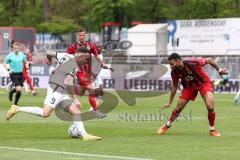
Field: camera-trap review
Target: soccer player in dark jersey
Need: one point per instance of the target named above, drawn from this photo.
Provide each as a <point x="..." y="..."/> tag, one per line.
<point x="84" y="72"/>
<point x="193" y="80"/>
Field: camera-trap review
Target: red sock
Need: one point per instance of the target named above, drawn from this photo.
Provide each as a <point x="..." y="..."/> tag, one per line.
<point x="29" y="82"/>
<point x="92" y="101"/>
<point x="211" y="118"/>
<point x="173" y="116"/>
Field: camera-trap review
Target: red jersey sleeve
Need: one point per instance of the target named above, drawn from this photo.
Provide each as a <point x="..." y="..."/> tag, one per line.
<point x="93" y="49"/>
<point x="175" y="78"/>
<point x="195" y="62"/>
<point x="202" y="61"/>
<point x="71" y="49"/>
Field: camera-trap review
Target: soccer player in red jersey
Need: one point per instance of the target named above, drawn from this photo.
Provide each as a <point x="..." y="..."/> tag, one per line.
<point x="84" y="72"/>
<point x="25" y="72"/>
<point x="193" y="79"/>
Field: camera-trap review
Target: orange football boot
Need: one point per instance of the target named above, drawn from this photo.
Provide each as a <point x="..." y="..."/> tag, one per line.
<point x="214" y="133"/>
<point x="162" y="129"/>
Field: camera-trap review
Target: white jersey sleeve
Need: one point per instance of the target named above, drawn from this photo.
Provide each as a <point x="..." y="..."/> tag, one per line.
<point x="66" y="65"/>
<point x="63" y="57"/>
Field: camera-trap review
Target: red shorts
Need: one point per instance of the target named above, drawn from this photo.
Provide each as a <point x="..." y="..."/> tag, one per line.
<point x="84" y="79"/>
<point x="191" y="93"/>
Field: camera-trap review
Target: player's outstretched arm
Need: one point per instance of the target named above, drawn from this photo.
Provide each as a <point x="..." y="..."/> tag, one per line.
<point x="172" y="95"/>
<point x="221" y="71"/>
<point x="103" y="65"/>
<point x="51" y="54"/>
<point x="212" y="63"/>
<point x="100" y="61"/>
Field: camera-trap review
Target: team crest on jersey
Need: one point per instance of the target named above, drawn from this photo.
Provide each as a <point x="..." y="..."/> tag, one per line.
<point x="189" y="72"/>
<point x="189" y="78"/>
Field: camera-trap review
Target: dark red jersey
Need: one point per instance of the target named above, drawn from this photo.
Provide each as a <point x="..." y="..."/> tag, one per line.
<point x="91" y="50"/>
<point x="192" y="74"/>
<point x="29" y="59"/>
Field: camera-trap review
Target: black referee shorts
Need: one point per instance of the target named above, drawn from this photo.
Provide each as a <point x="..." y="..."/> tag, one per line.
<point x="17" y="79"/>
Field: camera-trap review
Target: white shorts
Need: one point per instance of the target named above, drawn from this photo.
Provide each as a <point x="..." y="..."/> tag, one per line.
<point x="97" y="82"/>
<point x="53" y="98"/>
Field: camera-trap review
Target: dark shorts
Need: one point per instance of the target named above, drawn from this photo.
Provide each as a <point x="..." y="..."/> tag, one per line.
<point x="225" y="81"/>
<point x="17" y="79"/>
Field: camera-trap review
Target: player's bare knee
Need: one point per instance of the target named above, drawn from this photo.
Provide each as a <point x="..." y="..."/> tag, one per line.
<point x="178" y="111"/>
<point x="179" y="108"/>
<point x="74" y="110"/>
<point x="210" y="109"/>
<point x="210" y="106"/>
<point x="18" y="89"/>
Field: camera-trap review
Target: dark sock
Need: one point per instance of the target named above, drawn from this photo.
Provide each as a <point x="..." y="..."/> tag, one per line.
<point x="17" y="97"/>
<point x="173" y="116"/>
<point x="10" y="95"/>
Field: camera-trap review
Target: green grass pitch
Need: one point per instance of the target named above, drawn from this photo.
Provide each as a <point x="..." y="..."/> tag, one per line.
<point x="126" y="132"/>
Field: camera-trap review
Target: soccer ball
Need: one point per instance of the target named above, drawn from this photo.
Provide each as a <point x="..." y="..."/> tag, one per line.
<point x="73" y="131"/>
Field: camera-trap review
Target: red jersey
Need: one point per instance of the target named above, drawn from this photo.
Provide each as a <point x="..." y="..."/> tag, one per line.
<point x="29" y="59"/>
<point x="91" y="50"/>
<point x="192" y="74"/>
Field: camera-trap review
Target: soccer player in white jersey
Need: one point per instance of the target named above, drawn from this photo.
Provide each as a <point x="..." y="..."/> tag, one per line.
<point x="56" y="92"/>
<point x="236" y="97"/>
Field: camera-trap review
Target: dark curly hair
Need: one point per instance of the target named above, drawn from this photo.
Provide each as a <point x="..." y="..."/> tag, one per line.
<point x="174" y="56"/>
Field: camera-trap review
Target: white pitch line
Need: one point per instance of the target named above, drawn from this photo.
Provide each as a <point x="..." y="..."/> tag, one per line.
<point x="71" y="158"/>
<point x="71" y="153"/>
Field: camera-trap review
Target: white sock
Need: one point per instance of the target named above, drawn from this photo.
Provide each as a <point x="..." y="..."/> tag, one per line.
<point x="211" y="128"/>
<point x="77" y="121"/>
<point x="26" y="86"/>
<point x="31" y="110"/>
<point x="168" y="123"/>
<point x="80" y="127"/>
<point x="238" y="94"/>
<point x="90" y="109"/>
